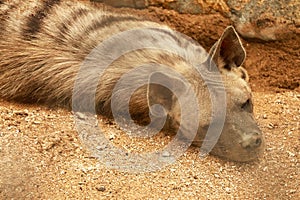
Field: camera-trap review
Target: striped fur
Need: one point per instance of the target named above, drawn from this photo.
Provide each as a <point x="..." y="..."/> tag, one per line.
<point x="48" y="39"/>
<point x="44" y="42"/>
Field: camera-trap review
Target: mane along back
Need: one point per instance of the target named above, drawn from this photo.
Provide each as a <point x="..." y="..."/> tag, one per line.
<point x="43" y="44"/>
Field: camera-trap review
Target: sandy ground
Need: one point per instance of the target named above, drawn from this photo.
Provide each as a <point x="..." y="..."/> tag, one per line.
<point x="42" y="156"/>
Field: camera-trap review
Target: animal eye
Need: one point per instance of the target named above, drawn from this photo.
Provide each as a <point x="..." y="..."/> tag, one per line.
<point x="247" y="106"/>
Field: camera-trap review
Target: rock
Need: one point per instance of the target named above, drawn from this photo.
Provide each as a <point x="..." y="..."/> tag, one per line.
<point x="182" y="6"/>
<point x="166" y="154"/>
<point x="192" y="6"/>
<point x="100" y="188"/>
<point x="125" y="3"/>
<point x="266" y="19"/>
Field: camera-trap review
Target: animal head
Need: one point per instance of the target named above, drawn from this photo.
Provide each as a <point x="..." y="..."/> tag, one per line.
<point x="241" y="138"/>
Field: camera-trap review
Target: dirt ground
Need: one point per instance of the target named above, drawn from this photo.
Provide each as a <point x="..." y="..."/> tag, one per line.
<point x="42" y="156"/>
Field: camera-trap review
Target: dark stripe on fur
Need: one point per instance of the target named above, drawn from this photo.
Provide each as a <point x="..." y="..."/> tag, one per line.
<point x="4" y="16"/>
<point x="107" y="21"/>
<point x="4" y="13"/>
<point x="35" y="20"/>
<point x="65" y="25"/>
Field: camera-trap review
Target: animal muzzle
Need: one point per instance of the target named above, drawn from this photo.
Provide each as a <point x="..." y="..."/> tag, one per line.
<point x="252" y="141"/>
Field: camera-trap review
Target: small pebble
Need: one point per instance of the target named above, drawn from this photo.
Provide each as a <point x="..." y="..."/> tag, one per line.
<point x="80" y="115"/>
<point x="165" y="154"/>
<point x="216" y="175"/>
<point x="100" y="188"/>
<point x="228" y="190"/>
<point x="101" y="147"/>
<point x="265" y="116"/>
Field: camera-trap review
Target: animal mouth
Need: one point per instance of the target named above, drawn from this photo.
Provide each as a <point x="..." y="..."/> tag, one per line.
<point x="240" y="152"/>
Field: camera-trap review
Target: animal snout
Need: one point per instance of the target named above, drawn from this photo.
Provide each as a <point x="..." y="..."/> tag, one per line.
<point x="252" y="141"/>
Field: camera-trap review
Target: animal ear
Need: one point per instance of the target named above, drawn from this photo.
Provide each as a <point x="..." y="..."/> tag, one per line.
<point x="161" y="91"/>
<point x="228" y="52"/>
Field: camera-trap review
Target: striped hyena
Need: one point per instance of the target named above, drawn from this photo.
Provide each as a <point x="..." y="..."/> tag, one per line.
<point x="44" y="42"/>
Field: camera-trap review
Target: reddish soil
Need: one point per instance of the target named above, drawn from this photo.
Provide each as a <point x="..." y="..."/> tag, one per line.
<point x="274" y="65"/>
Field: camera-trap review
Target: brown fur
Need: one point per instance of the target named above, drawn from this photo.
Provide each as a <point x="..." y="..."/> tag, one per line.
<point x="43" y="44"/>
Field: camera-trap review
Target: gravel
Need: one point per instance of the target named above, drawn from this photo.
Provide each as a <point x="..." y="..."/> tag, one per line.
<point x="42" y="158"/>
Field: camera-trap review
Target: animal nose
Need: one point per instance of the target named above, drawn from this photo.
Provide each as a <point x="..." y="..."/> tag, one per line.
<point x="252" y="141"/>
